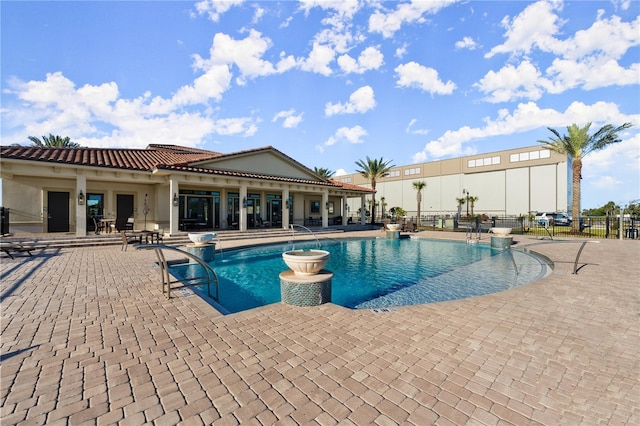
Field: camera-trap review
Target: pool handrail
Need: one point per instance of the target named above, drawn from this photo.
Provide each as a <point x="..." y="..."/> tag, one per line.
<point x="209" y="277"/>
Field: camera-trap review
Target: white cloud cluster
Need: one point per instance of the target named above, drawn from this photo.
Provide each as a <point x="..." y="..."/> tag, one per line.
<point x="105" y="119"/>
<point x="466" y="43"/>
<point x="370" y="59"/>
<point x="352" y="135"/>
<point x="289" y="118"/>
<point x="525" y="117"/>
<point x="387" y="23"/>
<point x="214" y="8"/>
<point x="427" y="79"/>
<point x="360" y="101"/>
<point x="410" y="129"/>
<point x="588" y="59"/>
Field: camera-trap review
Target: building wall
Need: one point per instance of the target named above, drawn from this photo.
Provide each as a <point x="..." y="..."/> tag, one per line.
<point x="511" y="182"/>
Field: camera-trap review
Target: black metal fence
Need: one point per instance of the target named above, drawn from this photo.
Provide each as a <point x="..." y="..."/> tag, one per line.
<point x="589" y="227"/>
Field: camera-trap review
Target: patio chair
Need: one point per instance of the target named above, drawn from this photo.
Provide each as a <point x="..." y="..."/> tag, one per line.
<point x="128" y="239"/>
<point x="10" y="247"/>
<point x="99" y="225"/>
<point x="409" y="226"/>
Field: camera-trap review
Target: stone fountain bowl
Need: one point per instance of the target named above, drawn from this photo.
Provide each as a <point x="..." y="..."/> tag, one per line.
<point x="306" y="262"/>
<point x="394" y="226"/>
<point x="201" y="238"/>
<point x="501" y="232"/>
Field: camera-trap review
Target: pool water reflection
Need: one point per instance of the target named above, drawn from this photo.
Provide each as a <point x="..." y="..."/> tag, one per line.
<point x="377" y="272"/>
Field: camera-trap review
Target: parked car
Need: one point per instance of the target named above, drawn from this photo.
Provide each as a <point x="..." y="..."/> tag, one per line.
<point x="561" y="219"/>
<point x="555" y="219"/>
<point x="544" y="219"/>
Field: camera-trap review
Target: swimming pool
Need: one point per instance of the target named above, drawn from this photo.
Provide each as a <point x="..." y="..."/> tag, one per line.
<point x="375" y="272"/>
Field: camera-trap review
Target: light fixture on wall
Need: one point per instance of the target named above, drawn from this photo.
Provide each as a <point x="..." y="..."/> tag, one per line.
<point x="326" y="205"/>
<point x="244" y="203"/>
<point x="346" y="206"/>
<point x="289" y="204"/>
<point x="176" y="200"/>
<point x="81" y="198"/>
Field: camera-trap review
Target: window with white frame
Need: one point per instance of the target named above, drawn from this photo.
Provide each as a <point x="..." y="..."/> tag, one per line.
<point x="531" y="155"/>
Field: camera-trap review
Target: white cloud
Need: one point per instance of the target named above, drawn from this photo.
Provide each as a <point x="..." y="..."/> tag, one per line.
<point x="511" y="83"/>
<point x="413" y="74"/>
<point x="624" y="155"/>
<point x="211" y="85"/>
<point x="290" y="119"/>
<point x="588" y="59"/>
<point x="609" y="38"/>
<point x="360" y="101"/>
<point x="524" y="118"/>
<point x="319" y="59"/>
<point x="236" y="126"/>
<point x="104" y="119"/>
<point x="388" y="23"/>
<point x="401" y="51"/>
<point x="246" y="54"/>
<point x="466" y="43"/>
<point x="258" y="14"/>
<point x="343" y="8"/>
<point x="352" y="135"/>
<point x="413" y="131"/>
<point x="370" y="59"/>
<point x="606" y="182"/>
<point x="535" y="26"/>
<point x="214" y="8"/>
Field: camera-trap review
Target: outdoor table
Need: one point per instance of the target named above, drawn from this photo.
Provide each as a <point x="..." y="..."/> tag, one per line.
<point x="150" y="236"/>
<point x="107" y="224"/>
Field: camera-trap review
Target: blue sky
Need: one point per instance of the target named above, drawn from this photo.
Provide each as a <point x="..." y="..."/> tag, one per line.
<point x="328" y="83"/>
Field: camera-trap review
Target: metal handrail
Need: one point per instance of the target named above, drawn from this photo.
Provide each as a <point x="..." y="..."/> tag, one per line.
<point x="209" y="277"/>
<point x="577" y="259"/>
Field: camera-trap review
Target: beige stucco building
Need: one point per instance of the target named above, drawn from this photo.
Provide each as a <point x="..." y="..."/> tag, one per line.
<point x="510" y="182"/>
<point x="166" y="187"/>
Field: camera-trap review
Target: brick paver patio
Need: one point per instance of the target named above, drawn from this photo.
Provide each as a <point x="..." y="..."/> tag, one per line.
<point x="88" y="337"/>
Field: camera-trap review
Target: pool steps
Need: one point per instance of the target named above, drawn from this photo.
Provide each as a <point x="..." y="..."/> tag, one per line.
<point x="45" y="241"/>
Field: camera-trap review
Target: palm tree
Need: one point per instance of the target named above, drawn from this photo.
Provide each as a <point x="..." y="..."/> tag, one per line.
<point x="323" y="173"/>
<point x="373" y="170"/>
<point x="472" y="202"/>
<point x="576" y="145"/>
<point x="54" y="140"/>
<point x="460" y="202"/>
<point x="419" y="186"/>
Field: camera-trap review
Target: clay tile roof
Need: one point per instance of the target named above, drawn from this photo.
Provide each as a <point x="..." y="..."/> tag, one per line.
<point x="129" y="159"/>
<point x="154" y="157"/>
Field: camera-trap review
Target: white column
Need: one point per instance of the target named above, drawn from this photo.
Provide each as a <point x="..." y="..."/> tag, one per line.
<point x="363" y="210"/>
<point x="174" y="211"/>
<point x="325" y="210"/>
<point x="223" y="209"/>
<point x="242" y="220"/>
<point x="285" y="208"/>
<point x="345" y="212"/>
<point x="81" y="209"/>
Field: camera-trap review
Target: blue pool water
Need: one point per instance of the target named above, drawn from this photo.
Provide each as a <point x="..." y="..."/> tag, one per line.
<point x="376" y="273"/>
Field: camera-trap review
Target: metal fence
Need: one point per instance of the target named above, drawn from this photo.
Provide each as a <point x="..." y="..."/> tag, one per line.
<point x="590" y="227"/>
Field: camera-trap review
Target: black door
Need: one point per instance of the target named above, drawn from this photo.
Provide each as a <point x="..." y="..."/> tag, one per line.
<point x="58" y="211"/>
<point x="124" y="207"/>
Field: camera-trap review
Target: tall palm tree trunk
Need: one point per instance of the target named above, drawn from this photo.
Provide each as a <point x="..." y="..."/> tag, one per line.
<point x="575" y="199"/>
<point x="373" y="205"/>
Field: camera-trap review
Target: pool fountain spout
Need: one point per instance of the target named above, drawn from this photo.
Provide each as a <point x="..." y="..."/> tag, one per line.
<point x="502" y="238"/>
<point x="293" y="232"/>
<point x="306" y="283"/>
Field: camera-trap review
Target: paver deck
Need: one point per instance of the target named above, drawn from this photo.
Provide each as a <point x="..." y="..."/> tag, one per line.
<point x="88" y="337"/>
